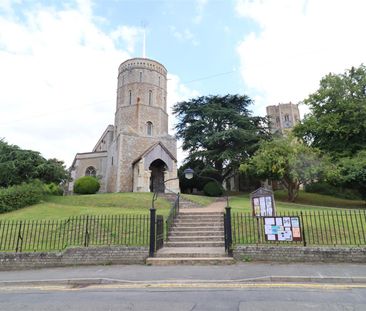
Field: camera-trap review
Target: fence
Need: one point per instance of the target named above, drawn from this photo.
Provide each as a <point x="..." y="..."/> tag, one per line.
<point x="48" y="235"/>
<point x="346" y="228"/>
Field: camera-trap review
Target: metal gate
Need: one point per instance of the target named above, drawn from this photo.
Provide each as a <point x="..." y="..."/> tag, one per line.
<point x="159" y="232"/>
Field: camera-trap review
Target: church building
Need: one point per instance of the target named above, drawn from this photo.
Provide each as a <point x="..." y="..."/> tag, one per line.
<point x="136" y="153"/>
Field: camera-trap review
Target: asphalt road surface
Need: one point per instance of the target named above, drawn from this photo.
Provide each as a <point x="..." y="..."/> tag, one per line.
<point x="269" y="297"/>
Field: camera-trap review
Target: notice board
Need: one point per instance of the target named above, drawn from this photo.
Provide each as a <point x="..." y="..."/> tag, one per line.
<point x="282" y="228"/>
<point x="262" y="203"/>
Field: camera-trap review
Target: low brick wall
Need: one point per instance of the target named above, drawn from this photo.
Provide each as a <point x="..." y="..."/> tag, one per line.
<point x="299" y="254"/>
<point x="74" y="256"/>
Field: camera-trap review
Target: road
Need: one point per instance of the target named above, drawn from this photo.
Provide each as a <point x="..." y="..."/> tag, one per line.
<point x="263" y="297"/>
<point x="245" y="286"/>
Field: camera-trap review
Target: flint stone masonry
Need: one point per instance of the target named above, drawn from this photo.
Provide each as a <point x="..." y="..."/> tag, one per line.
<point x="300" y="254"/>
<point x="74" y="256"/>
<point x="141" y="122"/>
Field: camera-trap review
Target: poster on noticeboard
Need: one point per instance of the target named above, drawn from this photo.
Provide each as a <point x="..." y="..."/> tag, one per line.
<point x="282" y="228"/>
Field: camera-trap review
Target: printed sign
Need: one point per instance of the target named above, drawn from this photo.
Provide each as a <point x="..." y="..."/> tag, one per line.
<point x="285" y="228"/>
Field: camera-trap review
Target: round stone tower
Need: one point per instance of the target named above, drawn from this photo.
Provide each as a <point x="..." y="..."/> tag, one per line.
<point x="141" y="98"/>
<point x="145" y="154"/>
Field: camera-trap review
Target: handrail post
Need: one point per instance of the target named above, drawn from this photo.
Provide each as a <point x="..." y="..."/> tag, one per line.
<point x="152" y="232"/>
<point x="228" y="233"/>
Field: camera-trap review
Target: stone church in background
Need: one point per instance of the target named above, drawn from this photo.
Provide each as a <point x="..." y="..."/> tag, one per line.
<point x="136" y="153"/>
<point x="283" y="117"/>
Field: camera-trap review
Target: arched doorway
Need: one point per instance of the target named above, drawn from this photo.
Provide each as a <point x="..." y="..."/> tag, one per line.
<point x="157" y="169"/>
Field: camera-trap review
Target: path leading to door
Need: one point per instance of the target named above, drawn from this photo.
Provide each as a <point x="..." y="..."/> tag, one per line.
<point x="215" y="207"/>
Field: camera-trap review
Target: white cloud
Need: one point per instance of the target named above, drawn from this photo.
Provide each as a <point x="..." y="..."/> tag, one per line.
<point x="58" y="81"/>
<point x="298" y="43"/>
<point x="185" y="35"/>
<point x="130" y="35"/>
<point x="200" y="6"/>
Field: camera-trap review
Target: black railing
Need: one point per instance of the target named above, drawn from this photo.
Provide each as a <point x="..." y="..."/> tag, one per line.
<point x="228" y="231"/>
<point x="173" y="213"/>
<point x="344" y="228"/>
<point x="53" y="235"/>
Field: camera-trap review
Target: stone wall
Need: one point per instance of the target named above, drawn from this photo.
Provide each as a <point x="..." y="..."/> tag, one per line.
<point x="74" y="256"/>
<point x="300" y="254"/>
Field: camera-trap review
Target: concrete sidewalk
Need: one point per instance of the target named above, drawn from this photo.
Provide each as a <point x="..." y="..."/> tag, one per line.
<point x="242" y="273"/>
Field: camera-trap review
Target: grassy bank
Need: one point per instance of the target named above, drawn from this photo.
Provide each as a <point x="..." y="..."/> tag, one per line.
<point x="58" y="207"/>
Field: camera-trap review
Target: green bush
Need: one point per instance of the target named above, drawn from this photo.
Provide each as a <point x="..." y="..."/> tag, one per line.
<point x="328" y="189"/>
<point x="213" y="189"/>
<point x="53" y="189"/>
<point x="16" y="197"/>
<point x="86" y="185"/>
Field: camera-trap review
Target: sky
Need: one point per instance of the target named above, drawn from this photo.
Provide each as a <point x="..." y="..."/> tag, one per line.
<point x="59" y="59"/>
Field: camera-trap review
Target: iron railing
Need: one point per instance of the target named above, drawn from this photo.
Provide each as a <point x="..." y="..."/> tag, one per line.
<point x="53" y="235"/>
<point x="173" y="213"/>
<point x="343" y="228"/>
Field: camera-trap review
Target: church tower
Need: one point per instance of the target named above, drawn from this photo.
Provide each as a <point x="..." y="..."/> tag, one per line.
<point x="137" y="153"/>
<point x="144" y="151"/>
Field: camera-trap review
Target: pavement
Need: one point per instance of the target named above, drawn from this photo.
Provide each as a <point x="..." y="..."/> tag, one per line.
<point x="189" y="276"/>
<point x="214" y="207"/>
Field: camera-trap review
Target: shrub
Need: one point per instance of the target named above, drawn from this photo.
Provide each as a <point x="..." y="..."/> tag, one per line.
<point x="54" y="189"/>
<point x="86" y="185"/>
<point x="328" y="189"/>
<point x="16" y="197"/>
<point x="213" y="189"/>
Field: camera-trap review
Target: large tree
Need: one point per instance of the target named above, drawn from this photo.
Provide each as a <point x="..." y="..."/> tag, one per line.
<point x="336" y="123"/>
<point x="19" y="165"/>
<point x="350" y="172"/>
<point x="219" y="131"/>
<point x="287" y="160"/>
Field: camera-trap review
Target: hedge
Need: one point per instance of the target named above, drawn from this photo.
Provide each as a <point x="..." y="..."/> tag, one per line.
<point x="16" y="197"/>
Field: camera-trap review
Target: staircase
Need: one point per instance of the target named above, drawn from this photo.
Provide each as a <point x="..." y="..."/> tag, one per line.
<point x="197" y="237"/>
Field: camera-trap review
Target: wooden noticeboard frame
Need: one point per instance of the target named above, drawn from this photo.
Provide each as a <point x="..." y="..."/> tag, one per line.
<point x="263" y="203"/>
<point x="282" y="228"/>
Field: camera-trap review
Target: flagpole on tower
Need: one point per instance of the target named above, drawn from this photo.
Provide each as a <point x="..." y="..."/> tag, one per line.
<point x="144" y="40"/>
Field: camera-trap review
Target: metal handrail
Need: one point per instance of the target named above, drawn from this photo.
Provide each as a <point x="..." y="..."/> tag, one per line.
<point x="173" y="213"/>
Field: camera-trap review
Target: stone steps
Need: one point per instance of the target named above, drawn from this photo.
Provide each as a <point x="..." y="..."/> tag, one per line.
<point x="196" y="238"/>
<point x="194" y="244"/>
<point x="191" y="252"/>
<point x="189" y="261"/>
<point x="193" y="232"/>
<point x="196" y="228"/>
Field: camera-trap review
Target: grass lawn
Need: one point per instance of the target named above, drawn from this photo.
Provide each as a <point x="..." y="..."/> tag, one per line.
<point x="58" y="207"/>
<point x="305" y="202"/>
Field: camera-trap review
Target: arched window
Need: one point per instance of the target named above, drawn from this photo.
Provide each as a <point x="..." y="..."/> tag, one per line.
<point x="130" y="97"/>
<point x="149" y="128"/>
<point x="150" y="97"/>
<point x="287" y="117"/>
<point x="90" y="171"/>
<point x="140" y="76"/>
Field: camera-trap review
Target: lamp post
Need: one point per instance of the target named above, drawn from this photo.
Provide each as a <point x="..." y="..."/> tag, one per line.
<point x="188" y="173"/>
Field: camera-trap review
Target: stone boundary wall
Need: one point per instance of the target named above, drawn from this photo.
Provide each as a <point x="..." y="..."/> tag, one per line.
<point x="299" y="254"/>
<point x="74" y="256"/>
